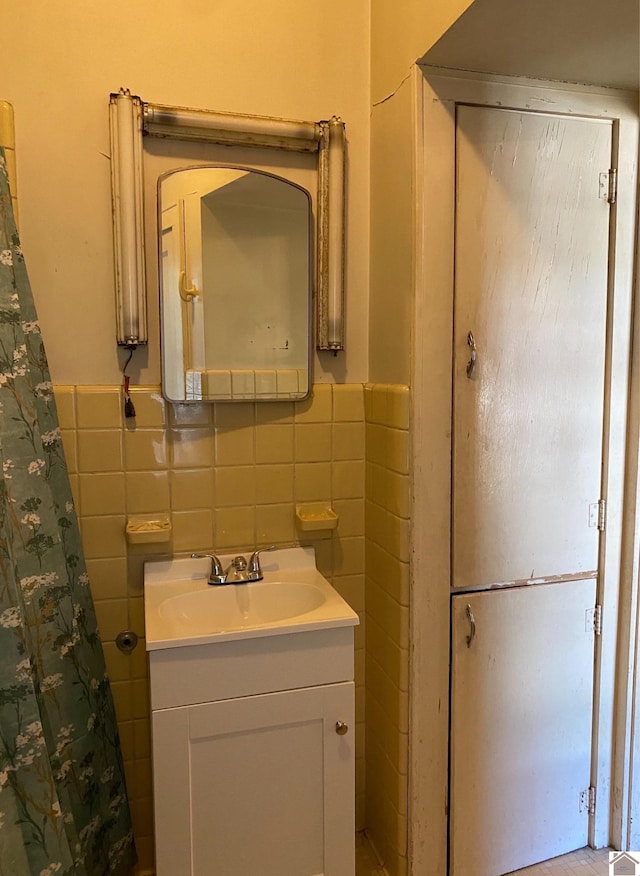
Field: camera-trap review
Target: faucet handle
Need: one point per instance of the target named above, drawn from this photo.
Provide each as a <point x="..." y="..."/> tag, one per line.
<point x="255" y="570"/>
<point x="217" y="574"/>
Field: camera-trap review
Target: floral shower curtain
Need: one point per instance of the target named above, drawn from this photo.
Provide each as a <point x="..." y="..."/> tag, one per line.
<point x="63" y="803"/>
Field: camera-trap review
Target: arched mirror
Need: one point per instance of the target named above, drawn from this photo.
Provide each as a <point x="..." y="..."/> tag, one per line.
<point x="235" y="285"/>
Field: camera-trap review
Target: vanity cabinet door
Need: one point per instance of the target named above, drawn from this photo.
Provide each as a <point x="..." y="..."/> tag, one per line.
<point x="257" y="785"/>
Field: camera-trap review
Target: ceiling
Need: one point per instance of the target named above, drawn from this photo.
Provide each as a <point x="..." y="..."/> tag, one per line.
<point x="587" y="41"/>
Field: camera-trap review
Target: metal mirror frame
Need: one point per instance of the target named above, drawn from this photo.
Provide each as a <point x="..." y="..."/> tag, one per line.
<point x="131" y="119"/>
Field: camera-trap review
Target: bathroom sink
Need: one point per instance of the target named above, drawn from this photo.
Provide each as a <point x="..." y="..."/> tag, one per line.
<point x="182" y="608"/>
<point x="237" y="605"/>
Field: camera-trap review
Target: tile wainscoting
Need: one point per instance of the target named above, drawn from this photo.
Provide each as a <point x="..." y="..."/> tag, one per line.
<point x="229" y="476"/>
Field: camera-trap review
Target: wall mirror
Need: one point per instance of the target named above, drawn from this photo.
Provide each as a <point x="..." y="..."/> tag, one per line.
<point x="243" y="250"/>
<point x="235" y="287"/>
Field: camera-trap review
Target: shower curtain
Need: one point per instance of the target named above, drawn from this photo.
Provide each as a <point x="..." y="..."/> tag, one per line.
<point x="63" y="803"/>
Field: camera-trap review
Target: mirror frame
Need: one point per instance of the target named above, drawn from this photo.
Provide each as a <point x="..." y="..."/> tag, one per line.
<point x="131" y="119"/>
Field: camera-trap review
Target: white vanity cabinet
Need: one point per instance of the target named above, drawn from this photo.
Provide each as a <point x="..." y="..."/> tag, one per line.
<point x="254" y="752"/>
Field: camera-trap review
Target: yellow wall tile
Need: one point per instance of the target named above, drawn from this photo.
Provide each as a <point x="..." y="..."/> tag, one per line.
<point x="348" y="556"/>
<point x="136" y="623"/>
<point x="140" y="695"/>
<point x="75" y="490"/>
<point x="99" y="407"/>
<point x="368" y="402"/>
<point x="120" y="688"/>
<point x="274" y="412"/>
<point x="191" y="448"/>
<point x="108" y="577"/>
<point x="274" y="484"/>
<point x="147" y="491"/>
<point x="141" y="738"/>
<point x="347" y="479"/>
<point x="146" y="856"/>
<point x="145" y="449"/>
<point x="69" y="444"/>
<point x="191" y="488"/>
<point x="235" y="527"/>
<point x="274" y="443"/>
<point x="348" y="441"/>
<point x="104" y="536"/>
<point x="190" y="414"/>
<point x="235" y="485"/>
<point x="376" y="449"/>
<point x="237" y="446"/>
<point x="397" y="539"/>
<point x="398" y="407"/>
<point x="396" y="442"/>
<point x="324" y="555"/>
<point x="150" y="407"/>
<point x="351" y="588"/>
<point x="102" y="493"/>
<point x="388" y="613"/>
<point x="125" y="730"/>
<point x="348" y="402"/>
<point x="379" y="401"/>
<point x="112" y="615"/>
<point x="275" y="524"/>
<point x="312" y="442"/>
<point x="350" y="516"/>
<point x="397" y="497"/>
<point x="393" y="658"/>
<point x="317" y="408"/>
<point x="118" y="668"/>
<point x="135" y="568"/>
<point x="192" y="530"/>
<point x="312" y="481"/>
<point x="65" y="406"/>
<point x="235" y="416"/>
<point x="100" y="450"/>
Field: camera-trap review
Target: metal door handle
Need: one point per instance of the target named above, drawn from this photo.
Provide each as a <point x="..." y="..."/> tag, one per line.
<point x="341" y="728"/>
<point x="472" y="625"/>
<point x="471" y="364"/>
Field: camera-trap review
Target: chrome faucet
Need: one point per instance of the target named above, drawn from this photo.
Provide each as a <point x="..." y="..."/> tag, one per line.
<point x="238" y="568"/>
<point x="217" y="575"/>
<point x="255" y="569"/>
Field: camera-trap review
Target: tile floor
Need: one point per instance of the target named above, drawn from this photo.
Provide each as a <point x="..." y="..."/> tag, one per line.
<point x="366" y="862"/>
<point x="584" y="862"/>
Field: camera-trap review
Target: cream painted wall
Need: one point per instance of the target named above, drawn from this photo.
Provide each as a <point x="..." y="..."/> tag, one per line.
<point x="401" y="33"/>
<point x="60" y="61"/>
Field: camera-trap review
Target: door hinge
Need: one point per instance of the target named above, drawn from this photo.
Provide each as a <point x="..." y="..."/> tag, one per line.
<point x="602" y="514"/>
<point x="597" y="620"/>
<point x="593" y="620"/>
<point x="609" y="185"/>
<point x="588" y="801"/>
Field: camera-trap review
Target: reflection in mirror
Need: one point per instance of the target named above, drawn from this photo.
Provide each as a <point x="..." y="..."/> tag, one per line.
<point x="234" y="285"/>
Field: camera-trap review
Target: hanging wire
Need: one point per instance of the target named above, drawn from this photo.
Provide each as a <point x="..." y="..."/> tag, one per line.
<point x="129" y="410"/>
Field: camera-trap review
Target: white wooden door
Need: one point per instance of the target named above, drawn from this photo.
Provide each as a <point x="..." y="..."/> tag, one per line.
<point x="256" y="785"/>
<point x="530" y="308"/>
<point x="522" y="698"/>
<point x="531" y="263"/>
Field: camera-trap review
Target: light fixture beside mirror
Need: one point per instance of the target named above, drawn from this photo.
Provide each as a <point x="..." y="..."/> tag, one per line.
<point x="254" y="226"/>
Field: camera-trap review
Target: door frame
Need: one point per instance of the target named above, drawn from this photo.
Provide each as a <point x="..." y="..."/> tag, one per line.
<point x="436" y="93"/>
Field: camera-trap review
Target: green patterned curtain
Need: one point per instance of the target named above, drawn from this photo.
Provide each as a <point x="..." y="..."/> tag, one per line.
<point x="63" y="801"/>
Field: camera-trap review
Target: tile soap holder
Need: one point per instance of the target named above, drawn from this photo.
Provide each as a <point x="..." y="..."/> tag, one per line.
<point x="148" y="529"/>
<point x="315" y="516"/>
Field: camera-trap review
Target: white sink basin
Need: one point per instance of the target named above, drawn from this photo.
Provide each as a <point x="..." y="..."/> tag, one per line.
<point x="236" y="606"/>
<point x="182" y="608"/>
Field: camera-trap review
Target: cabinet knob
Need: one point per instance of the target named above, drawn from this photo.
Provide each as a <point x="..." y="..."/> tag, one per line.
<point x="341" y="728"/>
